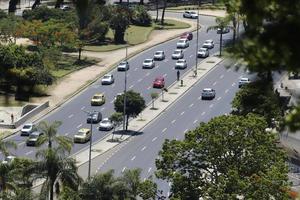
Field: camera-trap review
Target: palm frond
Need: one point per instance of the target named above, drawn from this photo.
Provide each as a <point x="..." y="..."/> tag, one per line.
<point x="65" y="142"/>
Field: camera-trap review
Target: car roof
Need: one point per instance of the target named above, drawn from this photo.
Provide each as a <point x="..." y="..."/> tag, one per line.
<point x="204" y="49"/>
<point x="207" y="89"/>
<point x="244" y="79"/>
<point x="159" y="51"/>
<point x="108" y="75"/>
<point x="83" y="130"/>
<point x="105" y="119"/>
<point x="148" y="59"/>
<point x="181" y="39"/>
<point x="182" y="60"/>
<point x="209" y="41"/>
<point x="36" y="133"/>
<point x="178" y="50"/>
<point x="28" y="124"/>
<point x="159" y="78"/>
<point x="99" y="94"/>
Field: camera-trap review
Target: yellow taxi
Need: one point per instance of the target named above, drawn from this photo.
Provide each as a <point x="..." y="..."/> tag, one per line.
<point x="98" y="99"/>
<point x="83" y="135"/>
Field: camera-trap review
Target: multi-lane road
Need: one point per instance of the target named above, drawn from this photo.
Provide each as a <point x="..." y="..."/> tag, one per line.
<point x="140" y="80"/>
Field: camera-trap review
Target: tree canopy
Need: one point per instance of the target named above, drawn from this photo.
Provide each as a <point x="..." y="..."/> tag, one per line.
<point x="226" y="158"/>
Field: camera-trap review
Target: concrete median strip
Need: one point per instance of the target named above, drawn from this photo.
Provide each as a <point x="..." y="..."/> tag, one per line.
<point x="175" y="91"/>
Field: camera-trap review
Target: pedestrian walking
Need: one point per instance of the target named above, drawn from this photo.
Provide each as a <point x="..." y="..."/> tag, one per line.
<point x="178" y="75"/>
<point x="12" y="118"/>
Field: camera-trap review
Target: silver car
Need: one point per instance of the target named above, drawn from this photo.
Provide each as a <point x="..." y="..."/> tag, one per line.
<point x="203" y="53"/>
<point x="208" y="93"/>
<point x="181" y="64"/>
<point x="190" y="14"/>
<point x="27" y="129"/>
<point x="8" y="159"/>
<point x="123" y="66"/>
<point x="33" y="138"/>
<point x="107" y="79"/>
<point x="159" y="55"/>
<point x="208" y="44"/>
<point x="183" y="43"/>
<point x="148" y="64"/>
<point x="177" y="54"/>
<point x="105" y="125"/>
<point x="243" y="81"/>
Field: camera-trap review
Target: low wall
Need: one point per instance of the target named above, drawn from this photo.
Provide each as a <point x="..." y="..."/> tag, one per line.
<point x="33" y="110"/>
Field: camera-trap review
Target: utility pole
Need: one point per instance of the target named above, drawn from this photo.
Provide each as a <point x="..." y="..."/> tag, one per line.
<point x="125" y="90"/>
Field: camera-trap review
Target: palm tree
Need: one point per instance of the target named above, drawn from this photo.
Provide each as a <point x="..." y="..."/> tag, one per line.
<point x="132" y="179"/>
<point x="5" y="145"/>
<point x="50" y="135"/>
<point x="55" y="167"/>
<point x="6" y="181"/>
<point x="222" y="23"/>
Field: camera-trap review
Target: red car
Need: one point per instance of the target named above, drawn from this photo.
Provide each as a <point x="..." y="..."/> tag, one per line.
<point x="159" y="82"/>
<point x="187" y="35"/>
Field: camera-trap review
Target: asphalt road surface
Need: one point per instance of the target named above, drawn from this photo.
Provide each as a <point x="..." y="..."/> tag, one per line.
<point x="140" y="80"/>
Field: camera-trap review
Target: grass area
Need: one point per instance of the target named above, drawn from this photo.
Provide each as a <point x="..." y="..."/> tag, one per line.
<point x="135" y="35"/>
<point x="195" y="7"/>
<point x="70" y="63"/>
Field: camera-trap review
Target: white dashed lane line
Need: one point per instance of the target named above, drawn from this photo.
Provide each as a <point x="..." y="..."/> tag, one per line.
<point x="148" y="74"/>
<point x="143" y="148"/>
<point x="123" y="169"/>
<point x="70" y="116"/>
<point x="233" y="84"/>
<point x="148" y="88"/>
<point x="219" y="98"/>
<point x="21" y="143"/>
<point x="66" y="134"/>
<point x="29" y="152"/>
<point x="211" y="105"/>
<point x="164" y="75"/>
<point x="130" y="86"/>
<point x="226" y="91"/>
<point x="140" y="80"/>
<point x="222" y="76"/>
<point x="191" y="56"/>
<point x="82" y="107"/>
<point x="102" y="108"/>
<point x="195" y="121"/>
<point x="164" y="130"/>
<point x="135" y="69"/>
<point x="182" y="113"/>
<point x="112" y="101"/>
<point x="149" y="169"/>
<point x="154" y="139"/>
<point x="186" y="130"/>
<point x="203" y="113"/>
<point x="79" y="126"/>
<point x="191" y="105"/>
<point x="199" y="97"/>
<point x="173" y="121"/>
<point x="214" y="83"/>
<point x="132" y="159"/>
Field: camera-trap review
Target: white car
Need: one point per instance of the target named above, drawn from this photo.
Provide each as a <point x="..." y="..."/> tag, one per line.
<point x="208" y="44"/>
<point x="105" y="125"/>
<point x="123" y="66"/>
<point x="107" y="79"/>
<point x="177" y="54"/>
<point x="159" y="55"/>
<point x="8" y="159"/>
<point x="148" y="63"/>
<point x="224" y="31"/>
<point x="190" y="14"/>
<point x="208" y="93"/>
<point x="181" y="64"/>
<point x="203" y="53"/>
<point x="243" y="81"/>
<point x="65" y="7"/>
<point x="183" y="43"/>
<point x="27" y="129"/>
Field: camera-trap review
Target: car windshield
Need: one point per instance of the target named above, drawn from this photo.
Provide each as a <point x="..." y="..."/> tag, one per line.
<point x="193" y="13"/>
<point x="105" y="121"/>
<point x="81" y="133"/>
<point x="27" y="126"/>
<point x="207" y="90"/>
<point x="202" y="49"/>
<point x="181" y="41"/>
<point x="244" y="79"/>
<point x="148" y="61"/>
<point x="180" y="61"/>
<point x="158" y="53"/>
<point x="106" y="76"/>
<point x="97" y="97"/>
<point x="123" y="63"/>
<point x="177" y="52"/>
<point x="34" y="135"/>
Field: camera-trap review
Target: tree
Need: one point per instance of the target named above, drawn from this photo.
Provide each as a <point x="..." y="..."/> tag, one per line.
<point x="9" y="29"/>
<point x="117" y="119"/>
<point x="134" y="104"/>
<point x="132" y="180"/>
<point x="12" y="7"/>
<point x="163" y="12"/>
<point x="58" y="3"/>
<point x="227" y="157"/>
<point x="50" y="135"/>
<point x="221" y="25"/>
<point x="258" y="97"/>
<point x="35" y="4"/>
<point x="141" y="17"/>
<point x="119" y="22"/>
<point x="148" y="190"/>
<point x="154" y="96"/>
<point x="54" y="165"/>
<point x="5" y="145"/>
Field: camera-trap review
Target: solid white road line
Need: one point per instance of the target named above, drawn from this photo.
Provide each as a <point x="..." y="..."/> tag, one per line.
<point x="154" y="139"/>
<point x="164" y="130"/>
<point x="79" y="126"/>
<point x="132" y="159"/>
<point x="143" y="148"/>
<point x="173" y="121"/>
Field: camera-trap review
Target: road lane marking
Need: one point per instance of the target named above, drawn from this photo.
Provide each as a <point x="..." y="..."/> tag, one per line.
<point x="79" y="126"/>
<point x="135" y="69"/>
<point x="149" y="169"/>
<point x="168" y="194"/>
<point x="148" y="73"/>
<point x="215" y="83"/>
<point x="169" y="184"/>
<point x="186" y="130"/>
<point x="148" y="88"/>
<point x="83" y="107"/>
<point x="143" y="148"/>
<point x="154" y="139"/>
<point x="140" y="80"/>
<point x="182" y="113"/>
<point x="112" y="101"/>
<point x="203" y="113"/>
<point x="102" y="108"/>
<point x="191" y="105"/>
<point x="132" y="159"/>
<point x="70" y="116"/>
<point x="221" y="76"/>
<point x="173" y="121"/>
<point x="211" y="105"/>
<point x="66" y="134"/>
<point x="195" y="121"/>
<point x="199" y="97"/>
<point x="164" y="130"/>
<point x="123" y="169"/>
<point x="228" y="70"/>
<point x="21" y="143"/>
<point x="29" y="152"/>
<point x="226" y="91"/>
<point x="164" y="75"/>
<point x="219" y="98"/>
<point x="130" y="86"/>
<point x="233" y="84"/>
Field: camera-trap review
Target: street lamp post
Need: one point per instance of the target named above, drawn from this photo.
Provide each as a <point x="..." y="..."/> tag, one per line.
<point x="91" y="141"/>
<point x="197" y="40"/>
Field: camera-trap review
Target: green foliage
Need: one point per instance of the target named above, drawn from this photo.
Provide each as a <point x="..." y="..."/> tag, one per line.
<point x="134" y="103"/>
<point x="9" y="29"/>
<point x="68" y="194"/>
<point x="148" y="190"/>
<point x="2" y="14"/>
<point x="116" y="118"/>
<point x="140" y="16"/>
<point x="227" y="157"/>
<point x="259" y="98"/>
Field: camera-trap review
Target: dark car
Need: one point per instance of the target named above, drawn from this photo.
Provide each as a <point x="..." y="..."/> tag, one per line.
<point x="187" y="35"/>
<point x="94" y="117"/>
<point x="33" y="138"/>
<point x="159" y="82"/>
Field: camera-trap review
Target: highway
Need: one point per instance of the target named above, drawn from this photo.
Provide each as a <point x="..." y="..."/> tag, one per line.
<point x="142" y="150"/>
<point x="72" y="114"/>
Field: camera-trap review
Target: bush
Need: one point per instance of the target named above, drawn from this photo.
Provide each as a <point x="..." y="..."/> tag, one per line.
<point x="141" y="17"/>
